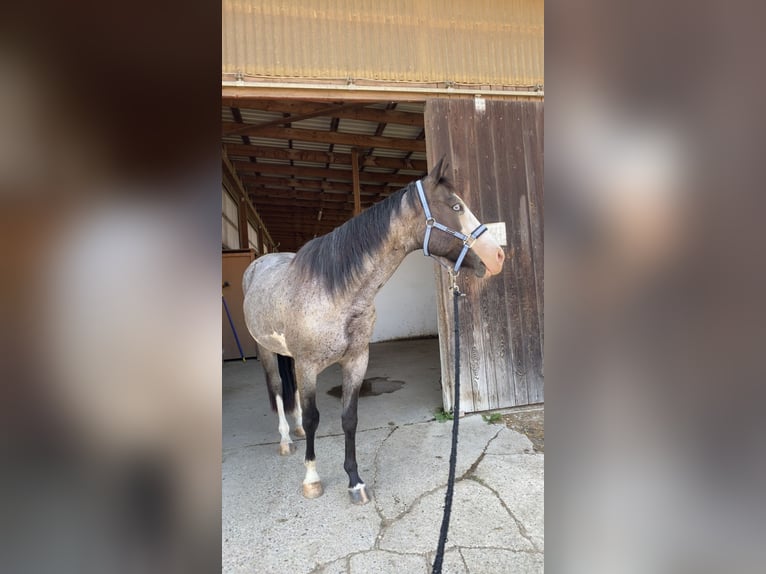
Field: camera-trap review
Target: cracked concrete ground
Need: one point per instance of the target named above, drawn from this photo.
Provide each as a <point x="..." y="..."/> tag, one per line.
<point x="403" y="454"/>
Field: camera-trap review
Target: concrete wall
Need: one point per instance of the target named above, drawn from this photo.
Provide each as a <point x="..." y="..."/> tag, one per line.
<point x="406" y="305"/>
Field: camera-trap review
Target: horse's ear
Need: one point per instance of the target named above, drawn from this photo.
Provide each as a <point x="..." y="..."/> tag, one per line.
<point x="439" y="169"/>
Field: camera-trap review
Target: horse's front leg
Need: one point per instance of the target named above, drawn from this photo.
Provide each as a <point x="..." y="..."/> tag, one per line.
<point x="306" y="379"/>
<point x="353" y="375"/>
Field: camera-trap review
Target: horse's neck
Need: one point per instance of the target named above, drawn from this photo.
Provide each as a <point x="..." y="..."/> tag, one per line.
<point x="382" y="264"/>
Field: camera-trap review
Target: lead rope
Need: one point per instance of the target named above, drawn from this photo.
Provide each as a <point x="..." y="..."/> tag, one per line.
<point x="437" y="568"/>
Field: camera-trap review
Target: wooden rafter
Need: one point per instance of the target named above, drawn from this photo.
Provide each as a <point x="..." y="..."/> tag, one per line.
<point x="243" y="167"/>
<point x="340" y="111"/>
<point x="290" y="118"/>
<point x="355" y="140"/>
<point x="324" y="157"/>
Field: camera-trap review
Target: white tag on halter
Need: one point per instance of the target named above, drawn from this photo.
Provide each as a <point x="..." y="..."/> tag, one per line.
<point x="497" y="231"/>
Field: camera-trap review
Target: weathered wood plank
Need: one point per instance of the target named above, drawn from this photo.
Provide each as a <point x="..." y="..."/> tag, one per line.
<point x="533" y="156"/>
<point x="496" y="157"/>
<point x="438" y="145"/>
<point x="466" y="176"/>
<point x="493" y="303"/>
<point x="506" y="169"/>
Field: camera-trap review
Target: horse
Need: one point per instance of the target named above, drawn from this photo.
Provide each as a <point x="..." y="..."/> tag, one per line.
<point x="311" y="309"/>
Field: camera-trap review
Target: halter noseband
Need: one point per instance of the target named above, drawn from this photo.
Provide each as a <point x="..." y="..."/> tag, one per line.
<point x="467" y="240"/>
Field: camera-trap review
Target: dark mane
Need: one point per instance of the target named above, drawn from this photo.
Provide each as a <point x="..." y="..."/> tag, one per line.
<point x="338" y="257"/>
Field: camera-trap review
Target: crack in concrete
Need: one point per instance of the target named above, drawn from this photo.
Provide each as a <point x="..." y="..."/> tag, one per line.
<point x="319" y="568"/>
<point x="470" y="475"/>
<point x="302" y="439"/>
<point x="520" y="525"/>
<point x="514" y="550"/>
<point x="318" y="437"/>
<point x="476" y="463"/>
<point x="383" y="521"/>
<point x="465" y="564"/>
<point x="389" y="521"/>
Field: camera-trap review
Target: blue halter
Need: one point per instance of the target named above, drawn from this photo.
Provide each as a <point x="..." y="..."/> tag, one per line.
<point x="467" y="240"/>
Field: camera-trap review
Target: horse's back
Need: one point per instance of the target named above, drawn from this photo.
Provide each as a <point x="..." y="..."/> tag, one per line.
<point x="262" y="266"/>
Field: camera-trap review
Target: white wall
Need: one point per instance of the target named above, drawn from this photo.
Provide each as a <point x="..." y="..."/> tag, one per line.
<point x="406" y="305"/>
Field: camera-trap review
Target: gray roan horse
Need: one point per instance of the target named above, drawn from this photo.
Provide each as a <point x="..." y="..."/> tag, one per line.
<point x="310" y="309"/>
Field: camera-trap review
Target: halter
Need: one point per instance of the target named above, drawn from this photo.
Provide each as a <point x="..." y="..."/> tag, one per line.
<point x="468" y="240"/>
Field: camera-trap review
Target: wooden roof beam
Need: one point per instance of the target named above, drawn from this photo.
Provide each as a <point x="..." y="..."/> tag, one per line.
<point x="354" y="140"/>
<point x="344" y="110"/>
<point x="324" y="157"/>
<point x="290" y="118"/>
<point x="340" y="174"/>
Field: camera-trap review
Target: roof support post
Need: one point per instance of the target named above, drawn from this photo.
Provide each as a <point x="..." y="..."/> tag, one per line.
<point x="355" y="178"/>
<point x="244" y="242"/>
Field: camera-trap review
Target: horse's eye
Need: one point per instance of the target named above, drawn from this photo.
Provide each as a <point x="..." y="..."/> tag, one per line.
<point x="457" y="207"/>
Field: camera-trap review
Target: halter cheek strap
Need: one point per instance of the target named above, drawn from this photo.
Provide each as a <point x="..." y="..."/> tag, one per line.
<point x="467" y="240"/>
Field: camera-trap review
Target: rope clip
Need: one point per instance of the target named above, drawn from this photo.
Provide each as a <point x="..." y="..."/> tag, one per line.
<point x="453" y="283"/>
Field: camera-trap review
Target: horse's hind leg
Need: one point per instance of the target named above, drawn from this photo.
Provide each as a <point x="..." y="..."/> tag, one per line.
<point x="353" y="375"/>
<point x="298" y="415"/>
<point x="274" y="382"/>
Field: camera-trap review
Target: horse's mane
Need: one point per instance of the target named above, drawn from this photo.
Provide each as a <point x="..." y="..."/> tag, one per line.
<point x="338" y="257"/>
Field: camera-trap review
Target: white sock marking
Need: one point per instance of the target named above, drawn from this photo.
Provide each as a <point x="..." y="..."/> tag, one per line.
<point x="311" y="472"/>
<point x="284" y="427"/>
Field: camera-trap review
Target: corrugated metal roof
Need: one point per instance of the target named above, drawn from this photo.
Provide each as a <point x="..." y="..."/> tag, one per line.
<point x="267" y="142"/>
<point x="412" y="107"/>
<point x="493" y="42"/>
<point x="316" y="146"/>
<point x="400" y="131"/>
<point x="386" y="152"/>
<point x="362" y="127"/>
<point x="321" y="123"/>
<point x="340" y="148"/>
<point x="258" y="116"/>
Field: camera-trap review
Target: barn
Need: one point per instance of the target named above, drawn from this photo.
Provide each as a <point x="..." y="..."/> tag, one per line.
<point x="329" y="106"/>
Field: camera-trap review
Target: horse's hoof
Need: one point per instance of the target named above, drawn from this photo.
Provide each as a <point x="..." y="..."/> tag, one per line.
<point x="286" y="449"/>
<point x="312" y="490"/>
<point x="359" y="494"/>
<point x="299" y="432"/>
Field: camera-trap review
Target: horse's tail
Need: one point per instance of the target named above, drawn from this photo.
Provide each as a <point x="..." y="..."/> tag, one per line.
<point x="287" y="374"/>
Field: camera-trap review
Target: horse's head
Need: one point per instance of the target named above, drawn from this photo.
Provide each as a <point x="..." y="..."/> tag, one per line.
<point x="448" y="210"/>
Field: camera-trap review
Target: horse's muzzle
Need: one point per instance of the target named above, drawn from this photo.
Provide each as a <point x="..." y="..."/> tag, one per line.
<point x="490" y="253"/>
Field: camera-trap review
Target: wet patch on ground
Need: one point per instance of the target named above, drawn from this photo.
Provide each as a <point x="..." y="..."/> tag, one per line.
<point x="530" y="423"/>
<point x="371" y="387"/>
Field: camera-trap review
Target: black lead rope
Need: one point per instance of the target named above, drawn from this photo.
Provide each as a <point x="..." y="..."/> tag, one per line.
<point x="453" y="453"/>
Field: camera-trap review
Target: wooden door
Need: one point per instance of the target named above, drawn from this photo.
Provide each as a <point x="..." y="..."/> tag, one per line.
<point x="495" y="150"/>
<point x="233" y="265"/>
